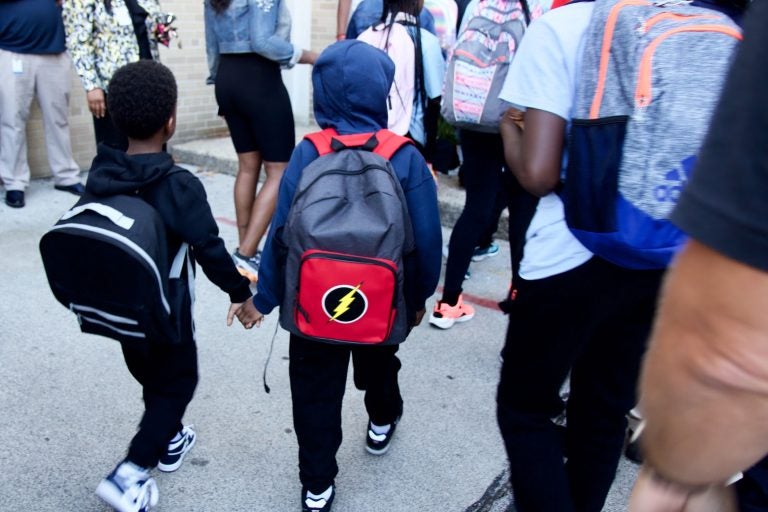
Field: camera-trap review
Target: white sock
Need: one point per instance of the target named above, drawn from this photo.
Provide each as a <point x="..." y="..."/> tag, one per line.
<point x="379" y="429"/>
<point x="322" y="496"/>
<point x="176" y="438"/>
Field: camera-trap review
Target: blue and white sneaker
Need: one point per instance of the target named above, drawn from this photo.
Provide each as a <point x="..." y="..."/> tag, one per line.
<point x="177" y="450"/>
<point x="129" y="488"/>
<point x="482" y="253"/>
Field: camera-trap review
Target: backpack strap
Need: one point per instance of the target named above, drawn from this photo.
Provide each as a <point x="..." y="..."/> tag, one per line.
<point x="384" y="142"/>
<point x="322" y="140"/>
<point x="389" y="142"/>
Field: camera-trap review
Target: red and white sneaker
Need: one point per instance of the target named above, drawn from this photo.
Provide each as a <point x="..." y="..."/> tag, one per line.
<point x="444" y="315"/>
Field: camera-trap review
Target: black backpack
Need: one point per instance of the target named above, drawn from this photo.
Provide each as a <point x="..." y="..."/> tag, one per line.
<point x="107" y="261"/>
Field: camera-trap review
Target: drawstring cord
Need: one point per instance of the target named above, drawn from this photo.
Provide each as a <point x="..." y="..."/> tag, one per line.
<point x="269" y="356"/>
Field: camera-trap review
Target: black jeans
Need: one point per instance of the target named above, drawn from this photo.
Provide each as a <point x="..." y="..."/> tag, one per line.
<point x="318" y="373"/>
<point x="168" y="375"/>
<point x="592" y="321"/>
<point x="483" y="181"/>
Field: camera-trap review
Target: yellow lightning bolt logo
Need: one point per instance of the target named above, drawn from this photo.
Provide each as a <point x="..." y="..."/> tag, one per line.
<point x="344" y="303"/>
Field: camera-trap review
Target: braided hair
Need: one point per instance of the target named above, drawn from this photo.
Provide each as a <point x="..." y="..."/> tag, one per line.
<point x="412" y="9"/>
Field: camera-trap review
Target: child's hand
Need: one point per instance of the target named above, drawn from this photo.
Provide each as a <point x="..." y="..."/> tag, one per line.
<point x="249" y="315"/>
<point x="233" y="309"/>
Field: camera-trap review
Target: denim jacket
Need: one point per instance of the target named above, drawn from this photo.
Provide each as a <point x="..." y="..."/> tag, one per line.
<point x="249" y="26"/>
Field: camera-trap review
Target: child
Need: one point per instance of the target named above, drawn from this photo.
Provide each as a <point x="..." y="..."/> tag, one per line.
<point x="142" y="101"/>
<point x="351" y="80"/>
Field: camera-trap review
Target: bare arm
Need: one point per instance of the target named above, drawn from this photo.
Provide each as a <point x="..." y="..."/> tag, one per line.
<point x="704" y="386"/>
<point x="535" y="154"/>
<point x="342" y="17"/>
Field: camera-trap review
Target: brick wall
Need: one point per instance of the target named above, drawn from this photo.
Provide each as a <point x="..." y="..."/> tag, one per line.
<point x="197" y="106"/>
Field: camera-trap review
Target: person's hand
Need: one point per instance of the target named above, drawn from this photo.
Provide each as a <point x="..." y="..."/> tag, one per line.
<point x="419" y="316"/>
<point x="308" y="57"/>
<point x="652" y="495"/>
<point x="97" y="103"/>
<point x="249" y="316"/>
<point x="233" y="309"/>
<point x="514" y="116"/>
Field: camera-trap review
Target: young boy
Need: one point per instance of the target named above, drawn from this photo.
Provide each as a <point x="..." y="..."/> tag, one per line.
<point x="351" y="81"/>
<point x="142" y="100"/>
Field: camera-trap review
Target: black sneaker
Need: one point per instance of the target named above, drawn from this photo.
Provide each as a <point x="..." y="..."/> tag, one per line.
<point x="129" y="488"/>
<point x="378" y="444"/>
<point x="172" y="459"/>
<point x="309" y="504"/>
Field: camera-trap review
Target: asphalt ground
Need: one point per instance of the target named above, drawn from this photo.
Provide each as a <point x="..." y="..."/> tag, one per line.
<point x="69" y="406"/>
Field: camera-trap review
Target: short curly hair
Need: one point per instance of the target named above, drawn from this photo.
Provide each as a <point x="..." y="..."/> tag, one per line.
<point x="141" y="98"/>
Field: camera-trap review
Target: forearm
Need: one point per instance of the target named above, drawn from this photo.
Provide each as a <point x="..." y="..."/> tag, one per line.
<point x="342" y="17"/>
<point x="533" y="153"/>
<point x="704" y="386"/>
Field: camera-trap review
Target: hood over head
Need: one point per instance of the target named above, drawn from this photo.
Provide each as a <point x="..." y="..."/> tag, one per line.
<point x="351" y="81"/>
<point x="115" y="172"/>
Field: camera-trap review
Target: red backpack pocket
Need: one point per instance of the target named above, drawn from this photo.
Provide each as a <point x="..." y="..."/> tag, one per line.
<point x="345" y="297"/>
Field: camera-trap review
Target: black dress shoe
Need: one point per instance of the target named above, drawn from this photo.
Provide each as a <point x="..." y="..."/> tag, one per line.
<point x="14" y="198"/>
<point x="78" y="189"/>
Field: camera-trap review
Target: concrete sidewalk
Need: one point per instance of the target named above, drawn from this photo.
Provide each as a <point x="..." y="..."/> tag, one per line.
<point x="70" y="407"/>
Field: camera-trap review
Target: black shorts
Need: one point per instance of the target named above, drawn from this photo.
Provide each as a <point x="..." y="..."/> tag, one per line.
<point x="256" y="106"/>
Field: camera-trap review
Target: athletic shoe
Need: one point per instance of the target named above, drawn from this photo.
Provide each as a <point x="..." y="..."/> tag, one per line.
<point x="378" y="444"/>
<point x="482" y="253"/>
<point x="129" y="488"/>
<point x="177" y="450"/>
<point x="445" y="315"/>
<point x="318" y="504"/>
<point x="248" y="266"/>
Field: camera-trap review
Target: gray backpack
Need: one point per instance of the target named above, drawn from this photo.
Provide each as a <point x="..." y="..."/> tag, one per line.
<point x="479" y="61"/>
<point x="650" y="78"/>
<point x="346" y="234"/>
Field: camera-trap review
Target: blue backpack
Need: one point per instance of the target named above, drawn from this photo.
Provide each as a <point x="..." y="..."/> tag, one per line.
<point x="650" y="79"/>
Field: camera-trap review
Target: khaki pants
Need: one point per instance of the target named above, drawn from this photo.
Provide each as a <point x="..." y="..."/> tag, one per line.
<point x="21" y="77"/>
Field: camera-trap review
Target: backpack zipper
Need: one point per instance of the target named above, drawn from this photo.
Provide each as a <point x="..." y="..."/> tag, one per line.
<point x="643" y="92"/>
<point x="605" y="52"/>
<point x="610" y="28"/>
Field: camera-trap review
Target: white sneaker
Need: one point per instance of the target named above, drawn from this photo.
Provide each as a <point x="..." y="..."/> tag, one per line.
<point x="177" y="450"/>
<point x="129" y="488"/>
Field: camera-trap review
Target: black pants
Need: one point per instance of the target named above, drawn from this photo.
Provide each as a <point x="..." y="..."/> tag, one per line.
<point x="318" y="373"/>
<point x="483" y="181"/>
<point x="593" y="322"/>
<point x="752" y="490"/>
<point x="168" y="376"/>
<point x="107" y="133"/>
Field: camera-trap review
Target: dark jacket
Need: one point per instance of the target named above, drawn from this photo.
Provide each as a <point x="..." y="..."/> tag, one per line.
<point x="351" y="82"/>
<point x="180" y="200"/>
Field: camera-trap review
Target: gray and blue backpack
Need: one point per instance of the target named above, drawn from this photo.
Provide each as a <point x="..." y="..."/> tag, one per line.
<point x="650" y="79"/>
